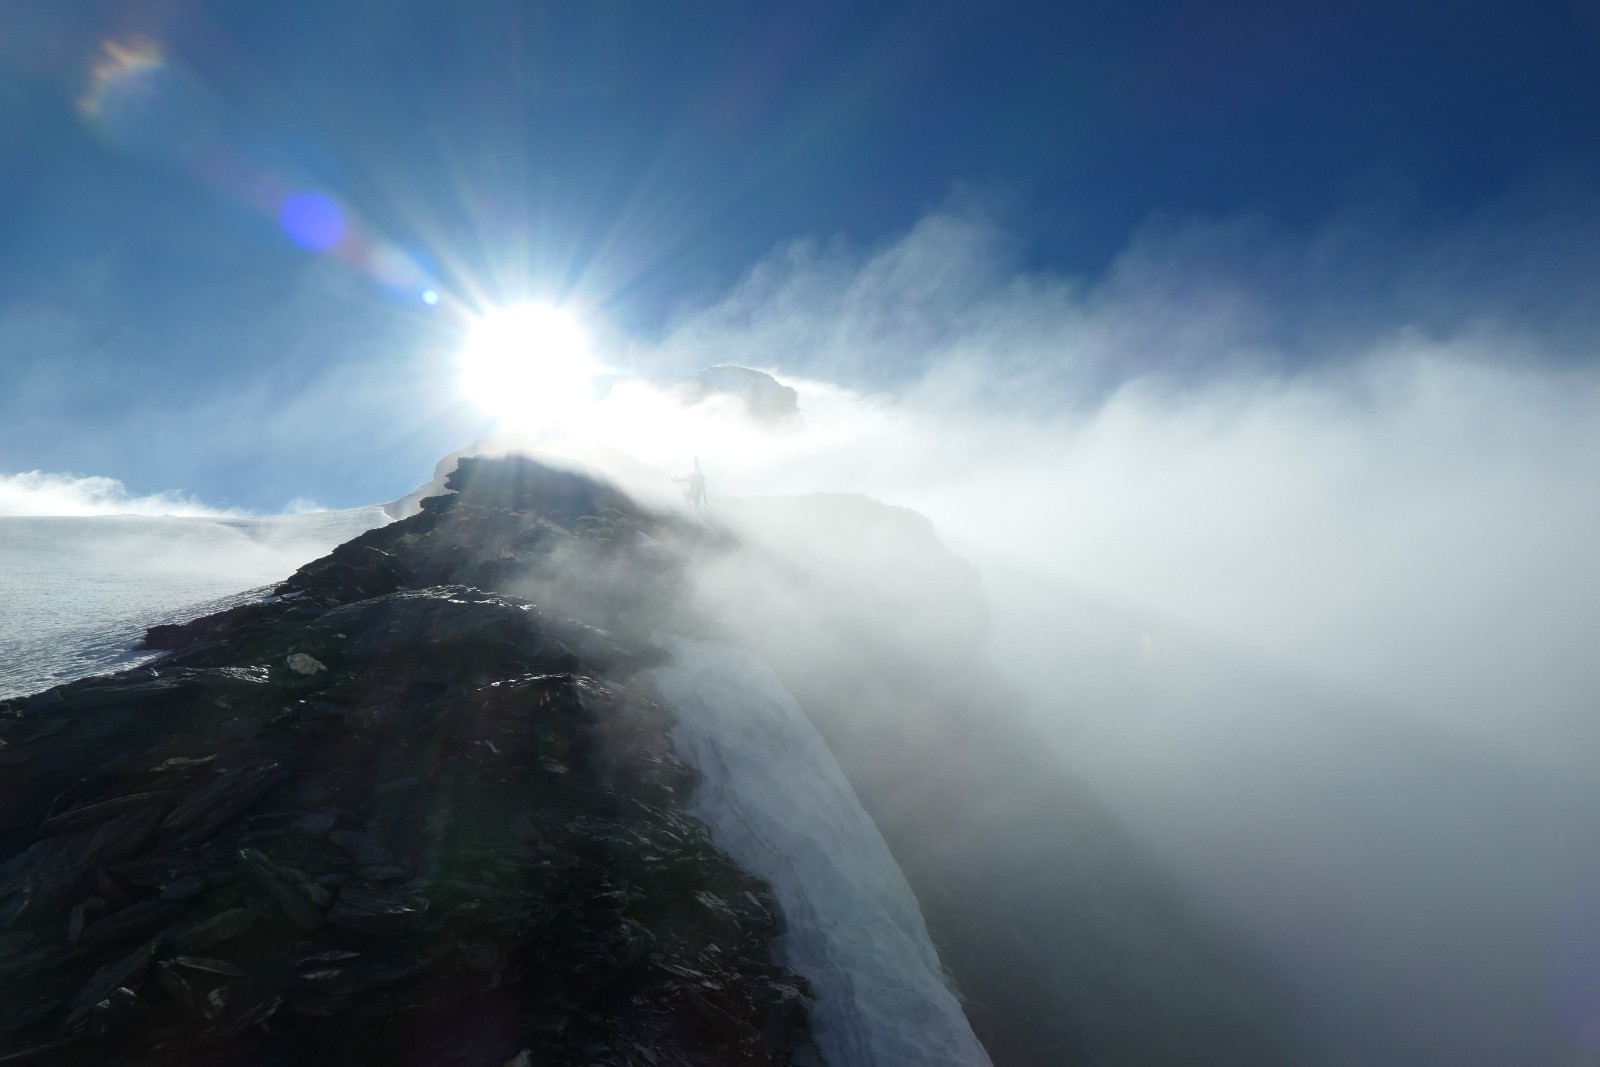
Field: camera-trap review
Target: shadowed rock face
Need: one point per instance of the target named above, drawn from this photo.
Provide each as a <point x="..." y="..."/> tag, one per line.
<point x="390" y="817"/>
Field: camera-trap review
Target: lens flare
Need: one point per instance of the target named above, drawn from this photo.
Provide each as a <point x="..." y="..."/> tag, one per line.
<point x="139" y="101"/>
<point x="123" y="68"/>
<point x="312" y="221"/>
<point x="530" y="366"/>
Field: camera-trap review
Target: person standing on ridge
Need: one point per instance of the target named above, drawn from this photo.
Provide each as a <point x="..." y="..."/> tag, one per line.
<point x="694" y="485"/>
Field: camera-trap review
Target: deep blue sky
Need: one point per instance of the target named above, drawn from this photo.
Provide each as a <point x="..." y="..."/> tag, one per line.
<point x="642" y="156"/>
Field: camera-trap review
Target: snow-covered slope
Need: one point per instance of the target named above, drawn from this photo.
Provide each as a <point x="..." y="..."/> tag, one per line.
<point x="777" y="802"/>
<point x="76" y="592"/>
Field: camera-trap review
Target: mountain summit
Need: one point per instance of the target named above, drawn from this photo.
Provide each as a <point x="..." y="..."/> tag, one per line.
<point x="538" y="775"/>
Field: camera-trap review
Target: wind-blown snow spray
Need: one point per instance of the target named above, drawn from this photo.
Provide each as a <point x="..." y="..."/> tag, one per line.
<point x="776" y="801"/>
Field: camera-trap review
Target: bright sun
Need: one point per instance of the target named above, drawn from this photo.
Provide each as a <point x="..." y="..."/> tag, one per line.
<point x="529" y="365"/>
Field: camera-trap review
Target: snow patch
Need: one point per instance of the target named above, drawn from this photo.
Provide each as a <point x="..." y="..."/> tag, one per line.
<point x="776" y="801"/>
<point x="78" y="592"/>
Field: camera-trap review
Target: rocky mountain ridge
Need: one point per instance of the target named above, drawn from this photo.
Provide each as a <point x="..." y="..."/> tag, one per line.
<point x="386" y="817"/>
<point x="432" y="776"/>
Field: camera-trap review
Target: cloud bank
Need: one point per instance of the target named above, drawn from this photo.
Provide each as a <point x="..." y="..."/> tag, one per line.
<point x="1398" y="510"/>
<point x="1289" y="538"/>
<point x="41" y="493"/>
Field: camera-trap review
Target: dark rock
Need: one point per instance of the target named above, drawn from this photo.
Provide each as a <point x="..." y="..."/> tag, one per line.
<point x="316" y="825"/>
<point x="459" y="839"/>
<point x="89" y="814"/>
<point x="41" y="701"/>
<point x="302" y="901"/>
<point x="184" y="888"/>
<point x="202" y="965"/>
<point x="116" y="1012"/>
<point x="215" y="930"/>
<point x="40" y="880"/>
<point x="118" y="974"/>
<point x="134" y="921"/>
<point x="363" y="848"/>
<point x="215" y="803"/>
<point x="159" y="871"/>
<point x="378" y="911"/>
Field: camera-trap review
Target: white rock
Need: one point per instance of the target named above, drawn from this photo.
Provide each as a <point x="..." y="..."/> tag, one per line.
<point x="301" y="663"/>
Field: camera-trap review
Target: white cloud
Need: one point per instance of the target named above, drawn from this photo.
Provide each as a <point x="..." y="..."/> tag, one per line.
<point x="1410" y="519"/>
<point x="41" y="493"/>
<point x="1291" y="537"/>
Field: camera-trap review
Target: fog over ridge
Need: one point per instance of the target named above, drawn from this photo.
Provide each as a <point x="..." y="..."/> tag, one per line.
<point x="1293" y="558"/>
<point x="1432" y="485"/>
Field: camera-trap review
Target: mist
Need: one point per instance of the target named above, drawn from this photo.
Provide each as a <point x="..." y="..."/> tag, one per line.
<point x="1292" y="562"/>
<point x="41" y="493"/>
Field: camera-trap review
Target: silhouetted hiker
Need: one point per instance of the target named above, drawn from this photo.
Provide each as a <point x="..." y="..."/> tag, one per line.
<point x="694" y="485"/>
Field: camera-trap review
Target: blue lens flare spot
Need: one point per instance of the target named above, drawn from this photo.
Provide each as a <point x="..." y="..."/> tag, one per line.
<point x="312" y="221"/>
<point x="430" y="297"/>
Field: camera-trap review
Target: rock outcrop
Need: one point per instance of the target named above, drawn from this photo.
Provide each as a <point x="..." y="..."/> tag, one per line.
<point x="392" y="816"/>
